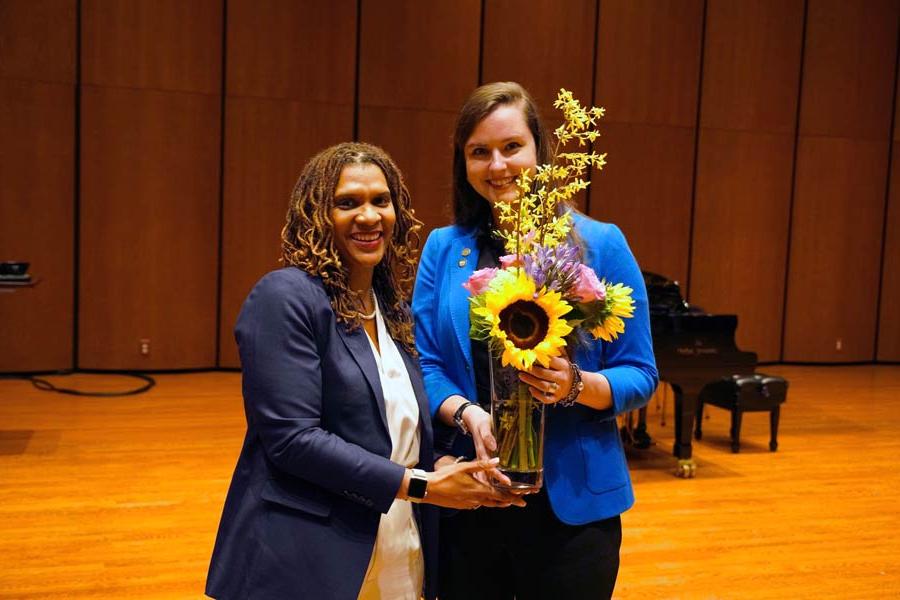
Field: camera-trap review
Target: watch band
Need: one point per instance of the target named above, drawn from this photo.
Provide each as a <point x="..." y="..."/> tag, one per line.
<point x="418" y="485"/>
<point x="458" y="417"/>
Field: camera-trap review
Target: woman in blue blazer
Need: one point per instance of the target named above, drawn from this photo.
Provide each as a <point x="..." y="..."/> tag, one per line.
<point x="565" y="544"/>
<point x="339" y="438"/>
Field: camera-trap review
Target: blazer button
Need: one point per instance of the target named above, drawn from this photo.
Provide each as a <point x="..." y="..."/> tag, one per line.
<point x="466" y="251"/>
<point x="462" y="263"/>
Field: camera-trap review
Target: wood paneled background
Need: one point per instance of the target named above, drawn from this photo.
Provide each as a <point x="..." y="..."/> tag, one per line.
<point x="148" y="149"/>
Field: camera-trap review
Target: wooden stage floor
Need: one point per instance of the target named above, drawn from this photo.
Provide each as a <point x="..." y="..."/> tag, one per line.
<point x="120" y="497"/>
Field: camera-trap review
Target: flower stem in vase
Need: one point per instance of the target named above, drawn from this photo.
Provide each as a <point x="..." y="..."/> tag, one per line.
<point x="523" y="427"/>
<point x="518" y="426"/>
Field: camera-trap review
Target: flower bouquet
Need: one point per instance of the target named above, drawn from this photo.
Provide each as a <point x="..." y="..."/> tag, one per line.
<point x="543" y="299"/>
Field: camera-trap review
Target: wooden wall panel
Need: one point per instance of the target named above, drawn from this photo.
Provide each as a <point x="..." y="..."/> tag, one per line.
<point x="290" y="91"/>
<point x="751" y="65"/>
<point x="420" y="58"/>
<point x="154" y="44"/>
<point x="149" y="228"/>
<point x="419" y="55"/>
<point x="648" y="69"/>
<point x="835" y="250"/>
<point x="889" y="307"/>
<point x="645" y="189"/>
<point x="648" y="60"/>
<point x="150" y="183"/>
<point x="741" y="218"/>
<point x="302" y="50"/>
<point x="37" y="161"/>
<point x="267" y="144"/>
<point x="37" y="40"/>
<point x="840" y="182"/>
<point x="848" y="81"/>
<point x="545" y="46"/>
<point x="751" y="73"/>
<point x="889" y="315"/>
<point x="542" y="44"/>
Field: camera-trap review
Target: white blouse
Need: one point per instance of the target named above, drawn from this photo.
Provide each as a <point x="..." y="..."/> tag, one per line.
<point x="397" y="568"/>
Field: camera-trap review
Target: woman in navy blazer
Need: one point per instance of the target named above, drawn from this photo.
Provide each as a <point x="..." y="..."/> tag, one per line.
<point x="565" y="544"/>
<point x="324" y="415"/>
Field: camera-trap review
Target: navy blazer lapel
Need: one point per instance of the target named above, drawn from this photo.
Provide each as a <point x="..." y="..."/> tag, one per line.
<point x="463" y="260"/>
<point x="360" y="349"/>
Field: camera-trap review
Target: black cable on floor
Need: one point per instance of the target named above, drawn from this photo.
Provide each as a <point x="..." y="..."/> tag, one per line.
<point x="44" y="385"/>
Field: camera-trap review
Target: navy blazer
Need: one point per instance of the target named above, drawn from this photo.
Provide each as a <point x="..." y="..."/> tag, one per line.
<point x="585" y="472"/>
<point x="314" y="474"/>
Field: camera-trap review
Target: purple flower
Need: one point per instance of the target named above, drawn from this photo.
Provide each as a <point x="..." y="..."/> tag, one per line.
<point x="555" y="268"/>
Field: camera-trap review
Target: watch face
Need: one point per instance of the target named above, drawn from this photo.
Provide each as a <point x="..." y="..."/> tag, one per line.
<point x="417" y="487"/>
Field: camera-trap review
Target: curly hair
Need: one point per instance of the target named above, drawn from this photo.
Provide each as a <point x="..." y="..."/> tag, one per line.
<point x="307" y="239"/>
<point x="470" y="210"/>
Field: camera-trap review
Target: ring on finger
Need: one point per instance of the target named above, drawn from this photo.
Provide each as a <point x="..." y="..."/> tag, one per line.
<point x="554" y="386"/>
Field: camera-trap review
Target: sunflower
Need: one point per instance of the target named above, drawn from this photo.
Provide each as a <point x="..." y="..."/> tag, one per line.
<point x="525" y="322"/>
<point x="620" y="305"/>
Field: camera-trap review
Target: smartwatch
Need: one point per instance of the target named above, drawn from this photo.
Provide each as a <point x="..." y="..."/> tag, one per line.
<point x="418" y="485"/>
<point x="457" y="417"/>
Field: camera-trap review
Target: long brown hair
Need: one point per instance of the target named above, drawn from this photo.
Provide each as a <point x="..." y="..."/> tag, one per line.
<point x="469" y="208"/>
<point x="307" y="239"/>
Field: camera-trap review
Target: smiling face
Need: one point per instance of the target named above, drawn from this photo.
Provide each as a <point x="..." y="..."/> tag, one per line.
<point x="500" y="147"/>
<point x="363" y="217"/>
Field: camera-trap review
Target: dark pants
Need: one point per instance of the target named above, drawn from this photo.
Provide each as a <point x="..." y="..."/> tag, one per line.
<point x="526" y="554"/>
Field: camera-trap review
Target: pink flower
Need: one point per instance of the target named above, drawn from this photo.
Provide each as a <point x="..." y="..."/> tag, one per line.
<point x="479" y="280"/>
<point x="509" y="261"/>
<point x="588" y="287"/>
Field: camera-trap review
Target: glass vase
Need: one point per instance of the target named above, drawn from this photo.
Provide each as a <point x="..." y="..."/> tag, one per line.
<point x="518" y="425"/>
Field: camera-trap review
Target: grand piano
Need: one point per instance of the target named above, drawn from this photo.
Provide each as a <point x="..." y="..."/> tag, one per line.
<point x="692" y="349"/>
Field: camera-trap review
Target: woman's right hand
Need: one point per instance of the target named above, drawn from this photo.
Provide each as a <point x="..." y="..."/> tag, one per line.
<point x="478" y="422"/>
<point x="458" y="485"/>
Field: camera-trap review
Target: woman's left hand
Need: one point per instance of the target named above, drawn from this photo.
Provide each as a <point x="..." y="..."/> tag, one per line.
<point x="549" y="385"/>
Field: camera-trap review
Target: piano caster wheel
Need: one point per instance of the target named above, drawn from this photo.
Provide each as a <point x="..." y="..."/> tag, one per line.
<point x="685" y="469"/>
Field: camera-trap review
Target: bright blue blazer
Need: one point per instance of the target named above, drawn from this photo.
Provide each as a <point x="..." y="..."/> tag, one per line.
<point x="585" y="472"/>
<point x="314" y="474"/>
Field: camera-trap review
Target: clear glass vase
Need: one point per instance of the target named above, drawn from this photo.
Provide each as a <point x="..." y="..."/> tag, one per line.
<point x="518" y="424"/>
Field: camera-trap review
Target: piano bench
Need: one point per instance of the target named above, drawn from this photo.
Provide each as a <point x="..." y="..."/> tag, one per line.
<point x="740" y="394"/>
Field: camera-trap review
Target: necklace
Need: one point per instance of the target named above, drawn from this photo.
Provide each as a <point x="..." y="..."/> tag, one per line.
<point x="371" y="315"/>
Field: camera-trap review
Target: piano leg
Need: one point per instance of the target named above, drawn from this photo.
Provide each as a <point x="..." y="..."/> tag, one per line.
<point x="773" y="427"/>
<point x="736" y="415"/>
<point x="698" y="427"/>
<point x="640" y="438"/>
<point x="685" y="407"/>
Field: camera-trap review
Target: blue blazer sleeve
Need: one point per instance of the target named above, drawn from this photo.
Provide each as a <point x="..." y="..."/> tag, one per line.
<point x="280" y="333"/>
<point x="428" y="293"/>
<point x="628" y="362"/>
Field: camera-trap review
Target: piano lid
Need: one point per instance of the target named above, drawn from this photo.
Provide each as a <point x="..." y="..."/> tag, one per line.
<point x="682" y="332"/>
<point x="664" y="295"/>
